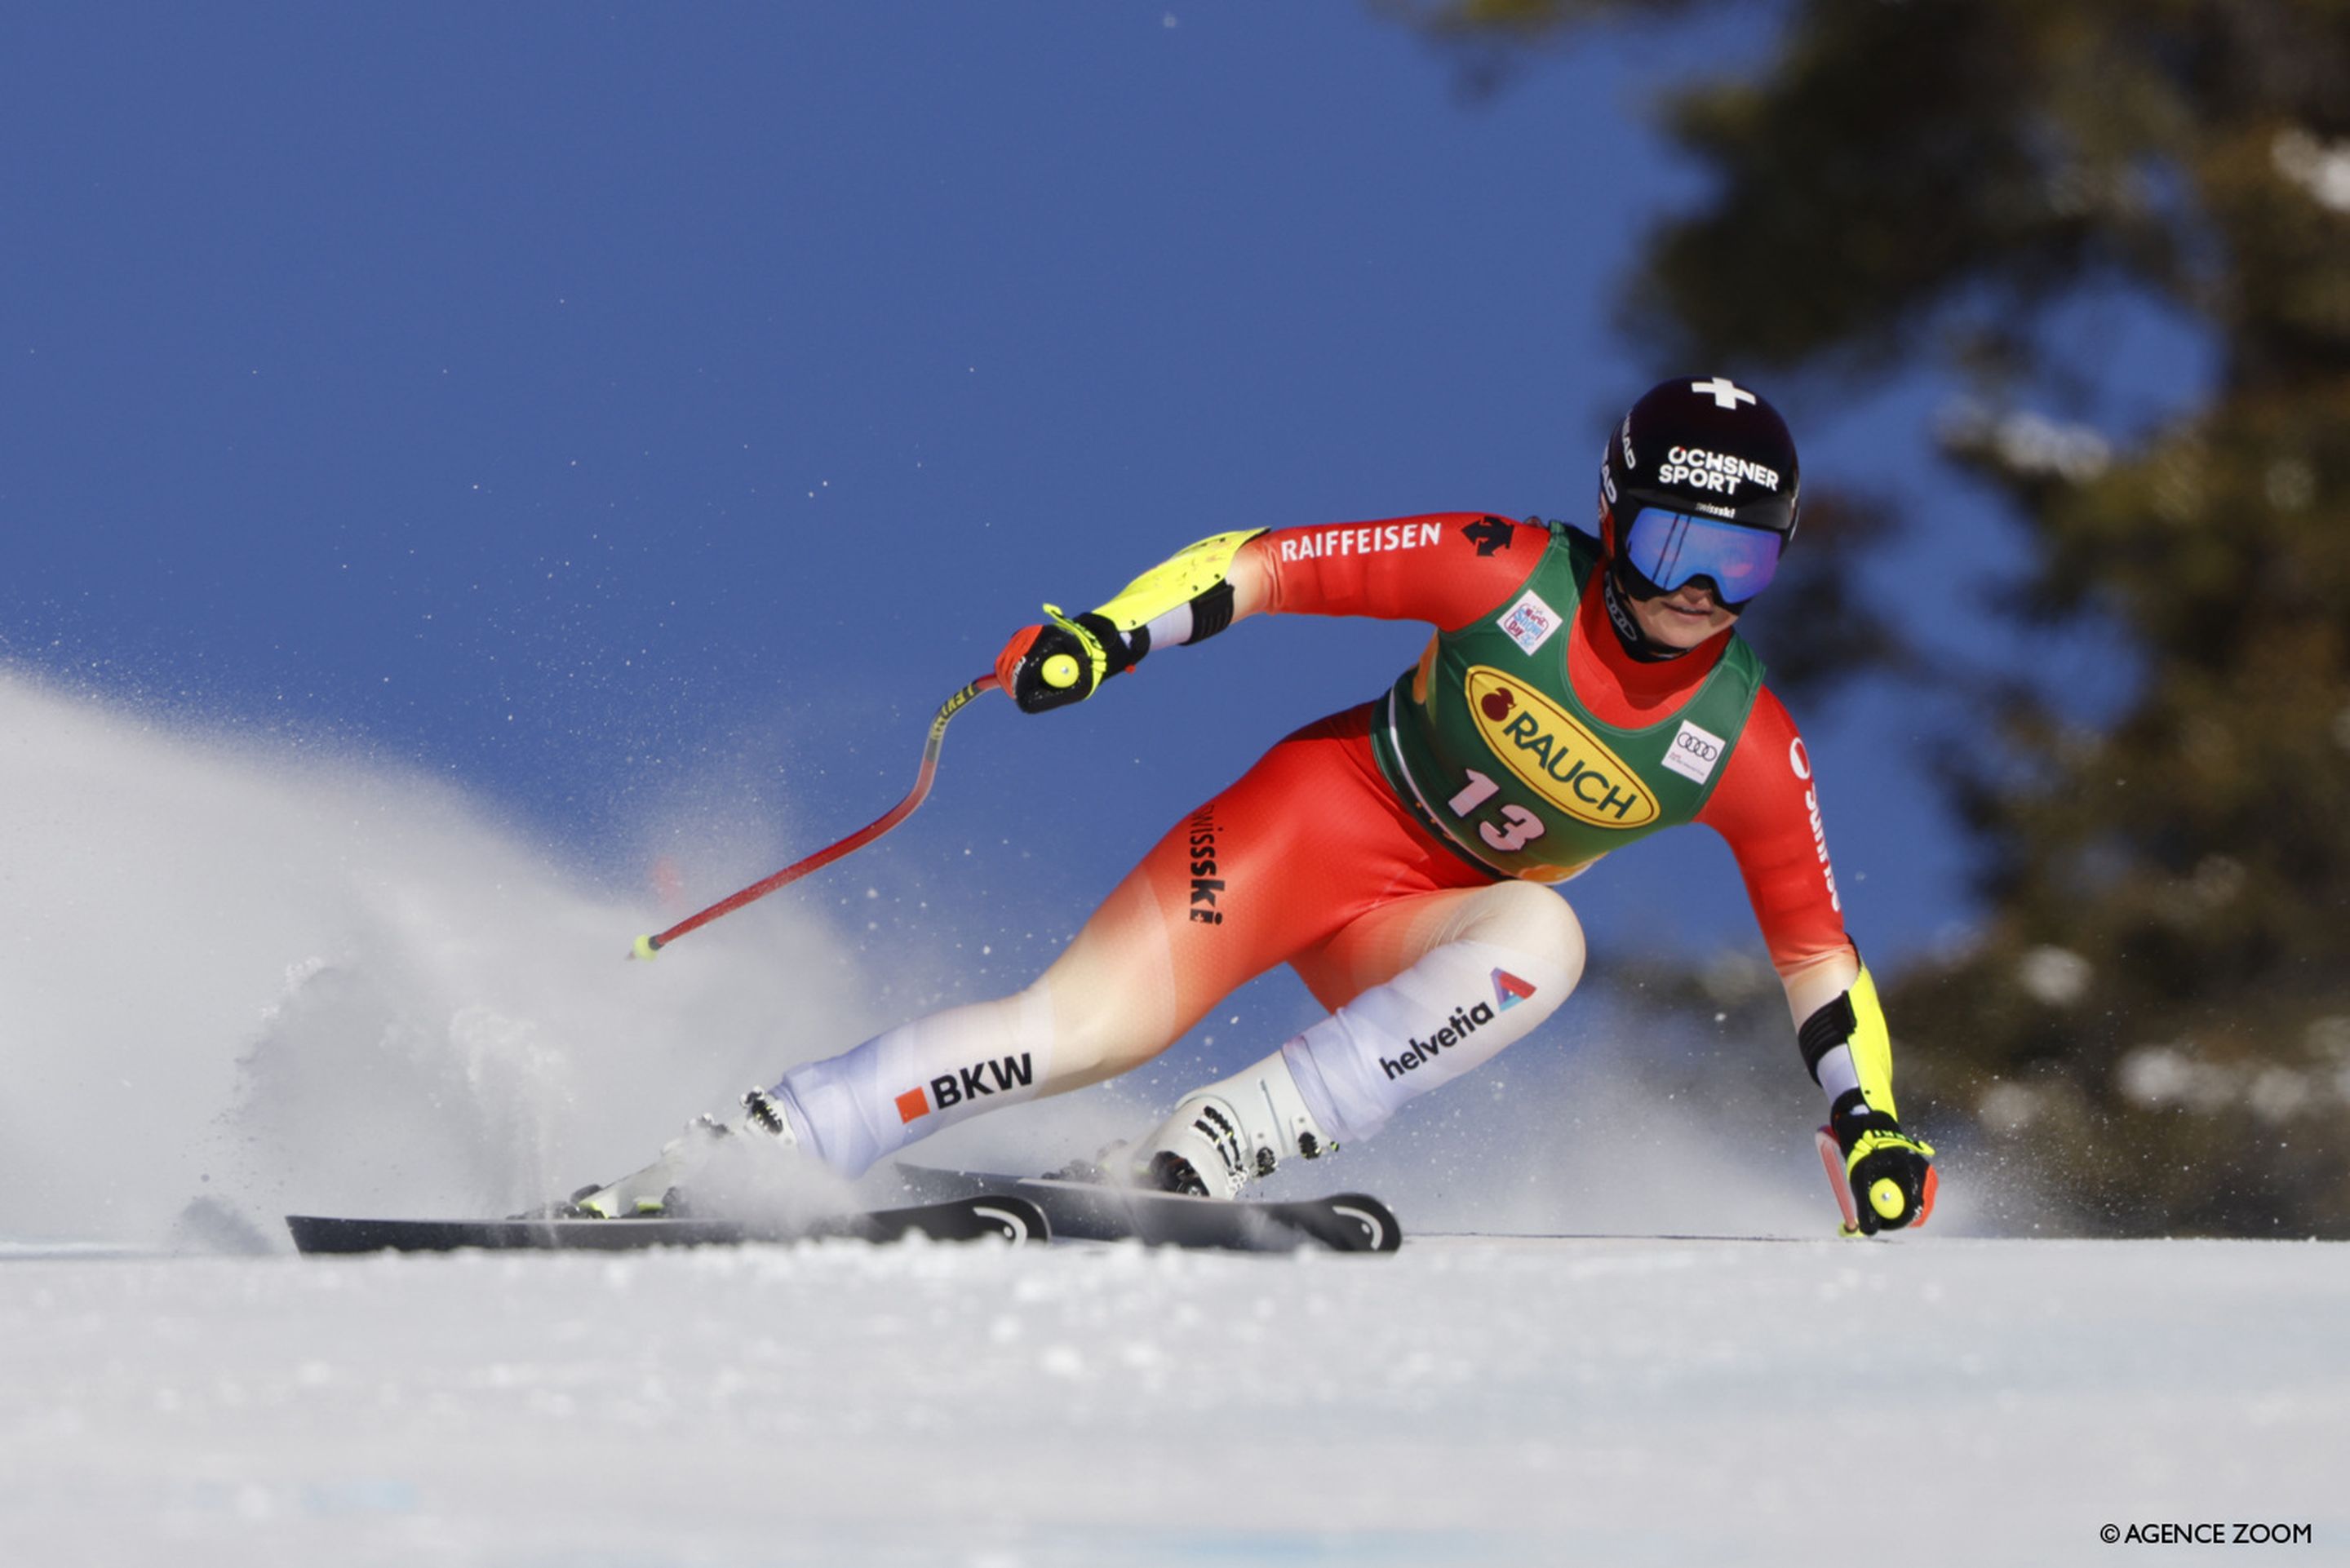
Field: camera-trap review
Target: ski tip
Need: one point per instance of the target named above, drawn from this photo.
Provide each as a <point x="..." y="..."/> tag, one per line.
<point x="1380" y="1230"/>
<point x="1016" y="1219"/>
<point x="646" y="949"/>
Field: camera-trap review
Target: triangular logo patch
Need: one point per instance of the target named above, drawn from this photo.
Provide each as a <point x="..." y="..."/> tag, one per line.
<point x="1509" y="990"/>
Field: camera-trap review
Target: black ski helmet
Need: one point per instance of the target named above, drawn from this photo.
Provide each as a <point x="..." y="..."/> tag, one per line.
<point x="1705" y="446"/>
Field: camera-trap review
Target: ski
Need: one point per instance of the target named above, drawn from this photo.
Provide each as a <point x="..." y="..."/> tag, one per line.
<point x="1105" y="1211"/>
<point x="960" y="1218"/>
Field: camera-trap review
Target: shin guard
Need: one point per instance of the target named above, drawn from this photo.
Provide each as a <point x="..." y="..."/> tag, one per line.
<point x="1450" y="1012"/>
<point x="918" y="1079"/>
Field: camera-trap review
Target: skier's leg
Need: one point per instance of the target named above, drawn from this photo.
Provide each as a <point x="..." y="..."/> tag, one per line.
<point x="1293" y="851"/>
<point x="1110" y="1000"/>
<point x="1422" y="991"/>
<point x="1466" y="975"/>
<point x="1117" y="995"/>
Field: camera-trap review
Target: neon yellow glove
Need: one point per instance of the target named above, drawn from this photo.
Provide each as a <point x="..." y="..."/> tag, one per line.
<point x="1046" y="667"/>
<point x="1053" y="665"/>
<point x="1890" y="1173"/>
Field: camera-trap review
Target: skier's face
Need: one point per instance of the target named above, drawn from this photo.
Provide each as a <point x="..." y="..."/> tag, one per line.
<point x="1684" y="618"/>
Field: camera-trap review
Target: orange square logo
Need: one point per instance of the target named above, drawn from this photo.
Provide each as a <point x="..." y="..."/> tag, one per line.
<point x="912" y="1106"/>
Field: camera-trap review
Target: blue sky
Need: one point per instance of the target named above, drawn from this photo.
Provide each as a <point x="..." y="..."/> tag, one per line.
<point x="643" y="417"/>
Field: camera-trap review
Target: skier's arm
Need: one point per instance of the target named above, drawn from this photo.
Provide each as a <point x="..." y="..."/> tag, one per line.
<point x="1446" y="568"/>
<point x="1767" y="808"/>
<point x="1188" y="597"/>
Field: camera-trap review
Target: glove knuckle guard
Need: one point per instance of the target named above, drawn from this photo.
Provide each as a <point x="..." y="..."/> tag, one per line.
<point x="1023" y="665"/>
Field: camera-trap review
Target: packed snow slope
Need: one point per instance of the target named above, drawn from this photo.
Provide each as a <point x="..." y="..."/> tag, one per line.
<point x="1466" y="1401"/>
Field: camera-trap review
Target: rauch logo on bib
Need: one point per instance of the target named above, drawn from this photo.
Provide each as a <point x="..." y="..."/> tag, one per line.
<point x="1564" y="763"/>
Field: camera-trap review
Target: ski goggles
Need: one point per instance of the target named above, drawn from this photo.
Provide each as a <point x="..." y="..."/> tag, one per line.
<point x="1671" y="549"/>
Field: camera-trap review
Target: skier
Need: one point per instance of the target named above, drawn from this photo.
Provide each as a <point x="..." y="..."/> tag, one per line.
<point x="1579" y="694"/>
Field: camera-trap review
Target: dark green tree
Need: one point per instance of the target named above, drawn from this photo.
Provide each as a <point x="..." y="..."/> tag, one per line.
<point x="2155" y="1018"/>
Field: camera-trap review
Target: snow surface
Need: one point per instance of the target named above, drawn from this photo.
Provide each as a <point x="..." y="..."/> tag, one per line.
<point x="1485" y="1401"/>
<point x="262" y="976"/>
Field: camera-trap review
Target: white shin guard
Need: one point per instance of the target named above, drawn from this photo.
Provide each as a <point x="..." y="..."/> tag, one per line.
<point x="1451" y="1012"/>
<point x="1343" y="1077"/>
<point x="920" y="1078"/>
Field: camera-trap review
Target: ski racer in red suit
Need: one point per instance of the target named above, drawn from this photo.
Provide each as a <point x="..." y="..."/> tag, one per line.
<point x="1401" y="856"/>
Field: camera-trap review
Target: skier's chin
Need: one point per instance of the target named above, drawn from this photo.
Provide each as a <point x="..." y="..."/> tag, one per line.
<point x="1681" y="624"/>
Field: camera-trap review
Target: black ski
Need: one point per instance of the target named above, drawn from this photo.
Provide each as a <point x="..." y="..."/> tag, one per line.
<point x="1105" y="1211"/>
<point x="972" y="1218"/>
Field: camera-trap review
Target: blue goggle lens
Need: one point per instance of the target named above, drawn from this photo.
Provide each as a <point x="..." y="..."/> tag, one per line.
<point x="1669" y="548"/>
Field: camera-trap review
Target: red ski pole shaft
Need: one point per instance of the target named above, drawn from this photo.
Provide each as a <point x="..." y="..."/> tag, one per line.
<point x="647" y="946"/>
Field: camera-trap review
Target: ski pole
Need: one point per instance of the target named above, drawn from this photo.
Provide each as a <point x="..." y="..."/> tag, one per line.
<point x="649" y="946"/>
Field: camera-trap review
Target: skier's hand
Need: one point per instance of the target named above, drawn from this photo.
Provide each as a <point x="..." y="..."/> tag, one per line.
<point x="1052" y="666"/>
<point x="1892" y="1174"/>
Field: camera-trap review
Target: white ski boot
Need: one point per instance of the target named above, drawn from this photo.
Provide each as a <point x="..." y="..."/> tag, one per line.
<point x="654" y="1190"/>
<point x="1227" y="1135"/>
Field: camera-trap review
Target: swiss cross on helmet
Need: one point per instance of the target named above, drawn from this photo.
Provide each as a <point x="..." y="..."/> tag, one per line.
<point x="1700" y="480"/>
